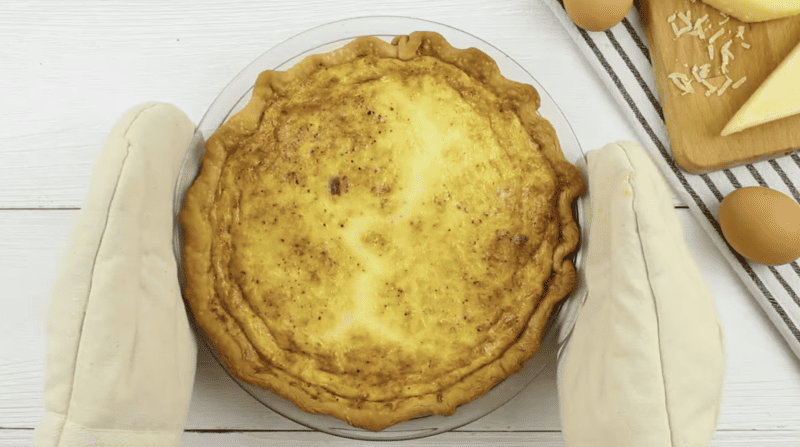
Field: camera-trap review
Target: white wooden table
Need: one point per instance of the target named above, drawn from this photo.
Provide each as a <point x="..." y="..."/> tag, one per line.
<point x="69" y="70"/>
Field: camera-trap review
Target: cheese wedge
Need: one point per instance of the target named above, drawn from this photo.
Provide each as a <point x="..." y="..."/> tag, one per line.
<point x="778" y="97"/>
<point x="757" y="10"/>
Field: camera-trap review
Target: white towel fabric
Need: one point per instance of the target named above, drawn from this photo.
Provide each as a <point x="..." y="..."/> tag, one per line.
<point x="621" y="58"/>
<point x="641" y="359"/>
<point x="120" y="351"/>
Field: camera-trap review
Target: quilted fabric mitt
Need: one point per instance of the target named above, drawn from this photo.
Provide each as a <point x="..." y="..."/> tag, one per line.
<point x="120" y="352"/>
<point x="642" y="356"/>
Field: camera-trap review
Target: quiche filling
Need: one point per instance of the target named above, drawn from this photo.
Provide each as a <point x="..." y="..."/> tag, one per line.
<point x="381" y="232"/>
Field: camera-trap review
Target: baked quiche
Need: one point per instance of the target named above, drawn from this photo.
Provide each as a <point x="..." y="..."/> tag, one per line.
<point x="382" y="232"/>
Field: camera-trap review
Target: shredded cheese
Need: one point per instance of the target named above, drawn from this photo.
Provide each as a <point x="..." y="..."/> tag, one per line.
<point x="696" y="74"/>
<point x="686" y="17"/>
<point x="716" y="36"/>
<point x="681" y="31"/>
<point x="700" y="73"/>
<point x="682" y="82"/>
<point x="698" y="27"/>
<point x="727" y="56"/>
<point x="710" y="87"/>
<point x="726" y="49"/>
<point x="728" y="82"/>
<point x="701" y="28"/>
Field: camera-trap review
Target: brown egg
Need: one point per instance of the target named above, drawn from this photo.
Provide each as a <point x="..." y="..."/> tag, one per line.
<point x="761" y="224"/>
<point x="597" y="15"/>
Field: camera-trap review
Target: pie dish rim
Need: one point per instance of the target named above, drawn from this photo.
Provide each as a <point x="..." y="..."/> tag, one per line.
<point x="428" y="425"/>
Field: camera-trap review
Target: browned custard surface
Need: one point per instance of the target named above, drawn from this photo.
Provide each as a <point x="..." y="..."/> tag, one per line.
<point x="381" y="232"/>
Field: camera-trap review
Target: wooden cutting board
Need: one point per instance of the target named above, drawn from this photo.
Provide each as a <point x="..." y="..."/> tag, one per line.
<point x="695" y="120"/>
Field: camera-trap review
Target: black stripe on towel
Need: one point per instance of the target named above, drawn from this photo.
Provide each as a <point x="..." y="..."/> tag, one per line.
<point x="682" y="179"/>
<point x="793" y="190"/>
<point x="638" y="41"/>
<point x="796" y="159"/>
<point x="656" y="105"/>
<point x="732" y="178"/>
<point x="785" y="285"/>
<point x="712" y="187"/>
<point x="785" y="179"/>
<point x="757" y="176"/>
<point x="795" y="267"/>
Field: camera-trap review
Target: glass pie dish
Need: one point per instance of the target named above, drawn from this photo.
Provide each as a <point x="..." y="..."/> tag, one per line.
<point x="324" y="39"/>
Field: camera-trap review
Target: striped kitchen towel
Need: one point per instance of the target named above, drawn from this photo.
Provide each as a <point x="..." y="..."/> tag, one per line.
<point x="620" y="56"/>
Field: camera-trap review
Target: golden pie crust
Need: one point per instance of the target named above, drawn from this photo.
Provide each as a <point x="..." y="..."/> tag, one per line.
<point x="382" y="232"/>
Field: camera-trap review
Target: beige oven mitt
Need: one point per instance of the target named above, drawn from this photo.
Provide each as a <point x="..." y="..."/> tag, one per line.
<point x="120" y="351"/>
<point x="641" y="360"/>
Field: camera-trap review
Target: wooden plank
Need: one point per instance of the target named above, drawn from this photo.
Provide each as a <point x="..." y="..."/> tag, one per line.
<point x="777" y="438"/>
<point x="77" y="69"/>
<point x="16" y="437"/>
<point x="458" y="438"/>
<point x="30" y="243"/>
<point x="762" y="388"/>
<point x="21" y="386"/>
<point x="694" y="121"/>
